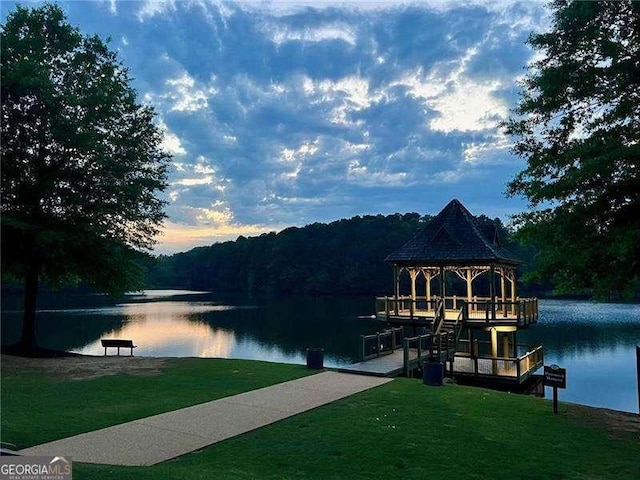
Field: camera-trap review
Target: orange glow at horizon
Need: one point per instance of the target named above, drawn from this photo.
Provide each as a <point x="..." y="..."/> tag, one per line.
<point x="176" y="237"/>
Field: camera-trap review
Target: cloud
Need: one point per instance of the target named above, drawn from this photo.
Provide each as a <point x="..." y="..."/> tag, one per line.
<point x="469" y="106"/>
<point x="487" y="151"/>
<point x="287" y="113"/>
<point x="182" y="94"/>
<point x="186" y="96"/>
<point x="170" y="141"/>
<point x="151" y="8"/>
<point x="460" y="102"/>
<point x="325" y="33"/>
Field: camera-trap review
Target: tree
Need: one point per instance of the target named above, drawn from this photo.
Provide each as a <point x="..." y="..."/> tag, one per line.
<point x="577" y="125"/>
<point x="81" y="160"/>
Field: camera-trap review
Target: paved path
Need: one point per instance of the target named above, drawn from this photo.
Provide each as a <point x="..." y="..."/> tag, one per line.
<point x="151" y="440"/>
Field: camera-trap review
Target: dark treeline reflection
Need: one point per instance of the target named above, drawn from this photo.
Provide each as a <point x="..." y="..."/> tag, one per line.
<point x="288" y="325"/>
<point x="297" y="323"/>
<point x="60" y="325"/>
<point x="62" y="331"/>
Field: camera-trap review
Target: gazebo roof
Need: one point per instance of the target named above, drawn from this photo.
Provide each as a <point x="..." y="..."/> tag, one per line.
<point x="453" y="237"/>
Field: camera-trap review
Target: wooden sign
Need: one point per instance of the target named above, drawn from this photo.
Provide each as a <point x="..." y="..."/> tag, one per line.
<point x="554" y="376"/>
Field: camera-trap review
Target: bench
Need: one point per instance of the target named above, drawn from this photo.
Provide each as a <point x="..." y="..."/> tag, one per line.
<point x="117" y="344"/>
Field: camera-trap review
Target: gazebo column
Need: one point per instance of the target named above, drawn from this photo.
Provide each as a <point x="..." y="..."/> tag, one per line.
<point x="505" y="345"/>
<point x="503" y="291"/>
<point x="396" y="288"/>
<point x="494" y="350"/>
<point x="494" y="342"/>
<point x="469" y="289"/>
<point x="492" y="292"/>
<point x="513" y="293"/>
<point x="443" y="291"/>
<point x="427" y="277"/>
<point x="413" y="273"/>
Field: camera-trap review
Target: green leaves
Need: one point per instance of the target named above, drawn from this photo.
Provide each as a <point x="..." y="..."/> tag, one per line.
<point x="82" y="161"/>
<point x="578" y="127"/>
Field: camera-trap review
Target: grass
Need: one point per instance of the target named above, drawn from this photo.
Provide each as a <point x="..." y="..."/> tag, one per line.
<point x="399" y="430"/>
<point x="409" y="431"/>
<point x="38" y="407"/>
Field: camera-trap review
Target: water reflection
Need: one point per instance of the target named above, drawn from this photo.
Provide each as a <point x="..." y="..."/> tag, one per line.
<point x="169" y="336"/>
<point x="181" y="329"/>
<point x="179" y="323"/>
<point x="595" y="342"/>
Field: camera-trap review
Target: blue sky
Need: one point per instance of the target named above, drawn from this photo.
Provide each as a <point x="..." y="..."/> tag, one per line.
<point x="289" y="113"/>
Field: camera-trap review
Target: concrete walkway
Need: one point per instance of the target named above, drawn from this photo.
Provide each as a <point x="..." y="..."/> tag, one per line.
<point x="151" y="440"/>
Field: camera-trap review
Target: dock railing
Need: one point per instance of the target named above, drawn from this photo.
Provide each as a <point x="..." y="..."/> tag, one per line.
<point x="381" y="343"/>
<point x="481" y="365"/>
<point x="420" y="348"/>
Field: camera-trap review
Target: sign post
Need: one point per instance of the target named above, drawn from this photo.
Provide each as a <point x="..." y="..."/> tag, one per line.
<point x="638" y="373"/>
<point x="555" y="377"/>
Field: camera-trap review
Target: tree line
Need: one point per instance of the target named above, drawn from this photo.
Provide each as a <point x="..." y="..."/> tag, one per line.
<point x="345" y="257"/>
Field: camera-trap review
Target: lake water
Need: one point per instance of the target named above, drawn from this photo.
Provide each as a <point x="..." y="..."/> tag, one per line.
<point x="594" y="342"/>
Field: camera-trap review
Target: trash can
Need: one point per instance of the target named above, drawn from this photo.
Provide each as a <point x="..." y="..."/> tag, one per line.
<point x="315" y="358"/>
<point x="433" y="373"/>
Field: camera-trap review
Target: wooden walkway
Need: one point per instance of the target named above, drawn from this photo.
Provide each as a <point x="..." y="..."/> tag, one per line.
<point x="390" y="365"/>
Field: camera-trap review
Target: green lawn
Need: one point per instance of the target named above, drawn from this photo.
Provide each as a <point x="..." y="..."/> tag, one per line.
<point x="401" y="430"/>
<point x="38" y="407"/>
<point x="406" y="430"/>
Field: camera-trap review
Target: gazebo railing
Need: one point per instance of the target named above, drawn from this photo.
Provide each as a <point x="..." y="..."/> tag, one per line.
<point x="524" y="310"/>
<point x="521" y="312"/>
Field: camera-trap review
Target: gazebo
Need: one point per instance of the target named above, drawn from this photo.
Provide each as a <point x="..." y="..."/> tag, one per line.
<point x="455" y="245"/>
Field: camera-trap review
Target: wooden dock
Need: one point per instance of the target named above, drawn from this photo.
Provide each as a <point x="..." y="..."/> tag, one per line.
<point x="390" y="365"/>
<point x="516" y="370"/>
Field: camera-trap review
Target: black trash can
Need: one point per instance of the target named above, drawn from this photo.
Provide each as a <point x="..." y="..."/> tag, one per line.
<point x="433" y="373"/>
<point x="315" y="358"/>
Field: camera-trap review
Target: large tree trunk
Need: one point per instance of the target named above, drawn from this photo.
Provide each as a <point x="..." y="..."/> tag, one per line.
<point x="28" y="340"/>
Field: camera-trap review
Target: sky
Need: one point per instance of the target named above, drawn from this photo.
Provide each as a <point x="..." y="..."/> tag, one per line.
<point x="287" y="113"/>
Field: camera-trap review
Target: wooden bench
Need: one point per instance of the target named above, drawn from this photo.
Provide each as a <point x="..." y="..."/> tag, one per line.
<point x="117" y="344"/>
